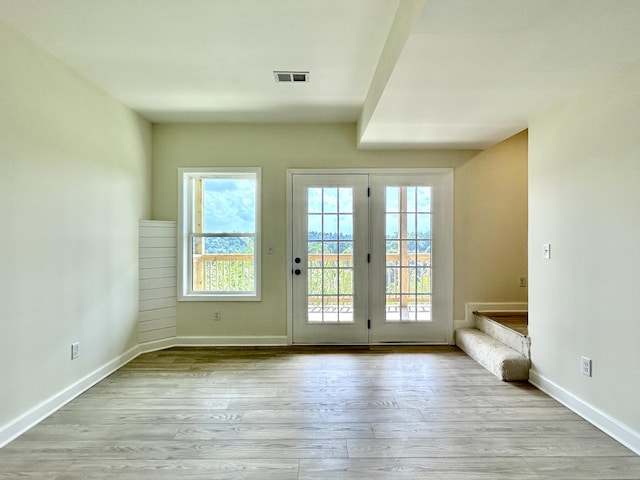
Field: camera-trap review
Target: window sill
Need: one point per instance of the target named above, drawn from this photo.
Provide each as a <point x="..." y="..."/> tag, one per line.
<point x="199" y="297"/>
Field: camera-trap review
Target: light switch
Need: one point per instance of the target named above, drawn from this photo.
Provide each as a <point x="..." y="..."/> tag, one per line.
<point x="546" y="251"/>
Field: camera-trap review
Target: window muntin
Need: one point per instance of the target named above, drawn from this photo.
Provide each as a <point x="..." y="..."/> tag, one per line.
<point x="221" y="234"/>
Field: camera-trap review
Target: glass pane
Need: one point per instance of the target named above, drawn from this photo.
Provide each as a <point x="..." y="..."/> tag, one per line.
<point x="345" y="200"/>
<point x="330" y="248"/>
<point x="345" y="281"/>
<point x="424" y="199"/>
<point x="392" y="252"/>
<point x="423" y="280"/>
<point x="345" y="260"/>
<point x="228" y="245"/>
<point x="314" y="227"/>
<point x="345" y="248"/>
<point x="314" y="200"/>
<point x="424" y="247"/>
<point x="411" y="199"/>
<point x="330" y="260"/>
<point x="314" y="309"/>
<point x="408" y="308"/>
<point x="227" y="266"/>
<point x="314" y="249"/>
<point x="330" y="281"/>
<point x="392" y="310"/>
<point x="346" y="227"/>
<point x="392" y="280"/>
<point x="330" y="230"/>
<point x="424" y="225"/>
<point x="330" y="200"/>
<point x="330" y="309"/>
<point x="423" y="308"/>
<point x="392" y="199"/>
<point x="228" y="205"/>
<point x="410" y="219"/>
<point x="346" y="309"/>
<point x="392" y="229"/>
<point x="314" y="281"/>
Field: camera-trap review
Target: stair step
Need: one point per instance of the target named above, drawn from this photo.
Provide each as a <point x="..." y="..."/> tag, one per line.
<point x="501" y="360"/>
<point x="512" y="338"/>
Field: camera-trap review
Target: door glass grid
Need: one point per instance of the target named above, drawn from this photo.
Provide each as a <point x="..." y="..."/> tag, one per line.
<point x="408" y="265"/>
<point x="330" y="255"/>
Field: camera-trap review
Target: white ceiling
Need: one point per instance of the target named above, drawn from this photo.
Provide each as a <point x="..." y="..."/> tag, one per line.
<point x="413" y="73"/>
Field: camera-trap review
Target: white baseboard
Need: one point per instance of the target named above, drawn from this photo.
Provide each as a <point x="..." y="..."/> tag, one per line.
<point x="609" y="425"/>
<point x="155" y="345"/>
<point x="35" y="415"/>
<point x="232" y="341"/>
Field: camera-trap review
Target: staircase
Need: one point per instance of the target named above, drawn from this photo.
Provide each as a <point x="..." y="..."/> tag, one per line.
<point x="499" y="342"/>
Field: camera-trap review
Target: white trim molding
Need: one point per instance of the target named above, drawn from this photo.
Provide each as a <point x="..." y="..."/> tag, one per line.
<point x="605" y="422"/>
<point x="232" y="341"/>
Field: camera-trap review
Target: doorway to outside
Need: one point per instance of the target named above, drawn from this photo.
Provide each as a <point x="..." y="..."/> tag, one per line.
<point x="371" y="256"/>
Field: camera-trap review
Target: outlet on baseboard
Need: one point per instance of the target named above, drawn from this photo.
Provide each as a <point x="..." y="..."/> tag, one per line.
<point x="75" y="350"/>
<point x="586" y="366"/>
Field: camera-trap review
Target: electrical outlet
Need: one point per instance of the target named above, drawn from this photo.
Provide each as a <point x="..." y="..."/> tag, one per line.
<point x="217" y="315"/>
<point x="586" y="366"/>
<point x="75" y="350"/>
<point x="522" y="282"/>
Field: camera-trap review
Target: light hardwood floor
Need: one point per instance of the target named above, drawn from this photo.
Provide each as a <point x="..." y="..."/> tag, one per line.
<point x="313" y="414"/>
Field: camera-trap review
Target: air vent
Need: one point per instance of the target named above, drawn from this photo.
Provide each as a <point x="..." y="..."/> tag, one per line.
<point x="291" y="77"/>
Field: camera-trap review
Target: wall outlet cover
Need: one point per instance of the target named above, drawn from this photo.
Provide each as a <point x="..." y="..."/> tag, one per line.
<point x="586" y="366"/>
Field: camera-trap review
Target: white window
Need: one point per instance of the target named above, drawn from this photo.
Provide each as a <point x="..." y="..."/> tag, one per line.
<point x="219" y="250"/>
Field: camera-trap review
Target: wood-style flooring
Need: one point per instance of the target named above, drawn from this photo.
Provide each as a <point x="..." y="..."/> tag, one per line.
<point x="313" y="413"/>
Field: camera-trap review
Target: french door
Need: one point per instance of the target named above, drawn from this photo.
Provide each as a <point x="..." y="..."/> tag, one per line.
<point x="371" y="257"/>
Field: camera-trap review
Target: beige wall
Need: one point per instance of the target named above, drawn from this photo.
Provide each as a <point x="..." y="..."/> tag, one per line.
<point x="584" y="199"/>
<point x="491" y="225"/>
<point x="278" y="147"/>
<point x="74" y="180"/>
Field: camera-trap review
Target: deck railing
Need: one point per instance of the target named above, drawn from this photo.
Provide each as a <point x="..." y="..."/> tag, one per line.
<point x="235" y="273"/>
<point x="224" y="273"/>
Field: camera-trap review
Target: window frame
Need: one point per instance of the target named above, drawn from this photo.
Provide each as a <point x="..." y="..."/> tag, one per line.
<point x="186" y="216"/>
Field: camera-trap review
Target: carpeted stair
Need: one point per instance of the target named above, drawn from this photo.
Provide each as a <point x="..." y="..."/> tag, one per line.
<point x="499" y="349"/>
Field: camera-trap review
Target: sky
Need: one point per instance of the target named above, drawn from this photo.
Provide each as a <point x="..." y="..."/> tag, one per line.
<point x="229" y="205"/>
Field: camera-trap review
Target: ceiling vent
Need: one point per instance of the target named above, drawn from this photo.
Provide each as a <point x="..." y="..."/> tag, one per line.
<point x="291" y="77"/>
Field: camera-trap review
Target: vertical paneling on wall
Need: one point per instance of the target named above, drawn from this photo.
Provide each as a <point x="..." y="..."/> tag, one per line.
<point x="157" y="263"/>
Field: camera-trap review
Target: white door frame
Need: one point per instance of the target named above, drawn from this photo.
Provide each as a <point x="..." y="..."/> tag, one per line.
<point x="447" y="172"/>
